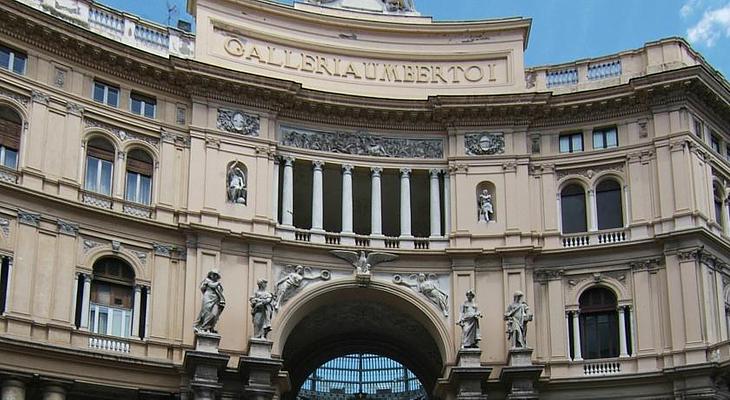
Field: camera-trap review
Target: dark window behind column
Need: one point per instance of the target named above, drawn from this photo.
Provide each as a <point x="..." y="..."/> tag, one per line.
<point x="599" y="324"/>
<point x="390" y="192"/>
<point x="420" y="203"/>
<point x="303" y="194"/>
<point x="4" y="280"/>
<point x="361" y="200"/>
<point x="332" y="197"/>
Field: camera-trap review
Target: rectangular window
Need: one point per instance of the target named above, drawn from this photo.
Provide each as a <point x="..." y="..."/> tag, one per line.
<point x="106" y="94"/>
<point x="138" y="188"/>
<point x="715" y="142"/>
<point x="111" y="321"/>
<point x="4" y="282"/>
<point x="8" y="157"/>
<point x="98" y="176"/>
<point x="698" y="127"/>
<point x="571" y="143"/>
<point x="12" y="60"/>
<point x="143" y="105"/>
<point x="605" y="138"/>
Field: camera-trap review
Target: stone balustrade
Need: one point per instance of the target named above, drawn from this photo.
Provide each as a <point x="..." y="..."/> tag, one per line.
<point x="602" y="368"/>
<point x="106" y="344"/>
<point x="598" y="238"/>
<point x="8" y="175"/>
<point x="122" y="27"/>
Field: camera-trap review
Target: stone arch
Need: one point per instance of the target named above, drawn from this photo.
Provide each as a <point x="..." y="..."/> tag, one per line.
<point x="601" y="176"/>
<point x="91" y="133"/>
<point x="341" y="317"/>
<point x="12" y="128"/>
<point x="623" y="295"/>
<point x="98" y="253"/>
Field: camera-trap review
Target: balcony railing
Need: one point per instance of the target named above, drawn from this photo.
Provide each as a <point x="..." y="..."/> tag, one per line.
<point x="96" y="199"/>
<point x="8" y="175"/>
<point x="122" y="27"/>
<point x="117" y="346"/>
<point x="595" y="238"/>
<point x="562" y="77"/>
<point x="603" y="70"/>
<point x="357" y="240"/>
<point x="601" y="368"/>
<point x="137" y="210"/>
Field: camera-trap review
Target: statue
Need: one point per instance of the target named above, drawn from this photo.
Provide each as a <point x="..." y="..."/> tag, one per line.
<point x="361" y="261"/>
<point x="469" y="322"/>
<point x="484" y="205"/>
<point x="293" y="281"/>
<point x="429" y="288"/>
<point x="400" y="5"/>
<point x="262" y="309"/>
<point x="517" y="316"/>
<point x="213" y="303"/>
<point x="236" y="185"/>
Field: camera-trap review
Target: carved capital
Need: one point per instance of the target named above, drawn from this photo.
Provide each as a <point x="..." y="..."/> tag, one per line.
<point x="68" y="228"/>
<point x="288" y="161"/>
<point x="4" y="227"/>
<point x="39" y="97"/>
<point x="509" y="166"/>
<point x="317" y="165"/>
<point x="164" y="250"/>
<point x="29" y="218"/>
<point x="544" y="275"/>
<point x="121" y="155"/>
<point x="435" y="172"/>
<point x="74" y="108"/>
<point x="376" y="171"/>
<point x="405" y="172"/>
<point x="141" y="256"/>
<point x="347" y="169"/>
<point x="650" y="264"/>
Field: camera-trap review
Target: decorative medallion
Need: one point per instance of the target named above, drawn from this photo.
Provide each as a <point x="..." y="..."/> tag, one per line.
<point x="478" y="144"/>
<point x="362" y="143"/>
<point x="238" y="122"/>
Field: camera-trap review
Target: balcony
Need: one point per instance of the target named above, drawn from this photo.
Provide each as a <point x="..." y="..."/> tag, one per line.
<point x="121" y="27"/>
<point x="107" y="344"/>
<point x="356" y="240"/>
<point x="599" y="238"/>
<point x="8" y="175"/>
<point x="126" y="207"/>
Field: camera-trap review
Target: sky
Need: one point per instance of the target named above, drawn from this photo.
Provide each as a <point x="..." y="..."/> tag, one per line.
<point x="562" y="30"/>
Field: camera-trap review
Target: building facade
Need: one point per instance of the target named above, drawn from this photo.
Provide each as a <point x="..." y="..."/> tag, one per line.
<point x="135" y="158"/>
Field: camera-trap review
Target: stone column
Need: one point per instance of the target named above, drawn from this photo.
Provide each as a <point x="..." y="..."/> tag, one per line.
<point x="726" y="216"/>
<point x="624" y="350"/>
<point x="435" y="206"/>
<point x="592" y="211"/>
<point x="275" y="195"/>
<point x="85" y="299"/>
<point x="205" y="365"/>
<point x="347" y="198"/>
<point x="376" y="203"/>
<point x="12" y="389"/>
<point x="287" y="195"/>
<point x="317" y="195"/>
<point x="447" y="203"/>
<point x="74" y="298"/>
<point x="137" y="310"/>
<point x="405" y="202"/>
<point x="147" y="311"/>
<point x="54" y="391"/>
<point x="577" y="355"/>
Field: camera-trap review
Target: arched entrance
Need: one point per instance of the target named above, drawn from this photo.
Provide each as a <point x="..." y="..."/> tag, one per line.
<point x="342" y="318"/>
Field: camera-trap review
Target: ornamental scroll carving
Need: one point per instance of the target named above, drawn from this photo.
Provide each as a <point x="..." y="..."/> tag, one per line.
<point x="120" y="133"/>
<point x="362" y="143"/>
<point x="238" y="122"/>
<point x="589" y="172"/>
<point x="479" y="144"/>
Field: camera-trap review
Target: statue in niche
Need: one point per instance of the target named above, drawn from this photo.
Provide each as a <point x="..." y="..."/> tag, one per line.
<point x="293" y="280"/>
<point x="469" y="322"/>
<point x="262" y="310"/>
<point x="484" y="205"/>
<point x="517" y="316"/>
<point x="213" y="303"/>
<point x="236" y="184"/>
<point x="361" y="261"/>
<point x="429" y="287"/>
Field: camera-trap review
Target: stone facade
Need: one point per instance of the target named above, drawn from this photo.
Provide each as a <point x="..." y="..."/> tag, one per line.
<point x="346" y="188"/>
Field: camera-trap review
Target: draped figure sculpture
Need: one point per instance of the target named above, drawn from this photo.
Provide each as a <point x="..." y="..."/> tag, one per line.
<point x="262" y="310"/>
<point x="517" y="316"/>
<point x="469" y="322"/>
<point x="213" y="303"/>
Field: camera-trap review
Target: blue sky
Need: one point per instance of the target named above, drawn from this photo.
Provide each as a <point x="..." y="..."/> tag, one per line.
<point x="564" y="30"/>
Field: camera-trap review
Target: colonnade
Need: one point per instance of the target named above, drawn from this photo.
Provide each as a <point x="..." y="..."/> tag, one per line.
<point x="376" y="214"/>
<point x="573" y="325"/>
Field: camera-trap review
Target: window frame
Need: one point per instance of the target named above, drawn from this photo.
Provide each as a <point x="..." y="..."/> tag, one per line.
<point x="571" y="138"/>
<point x="12" y="55"/>
<point x="715" y="142"/>
<point x="603" y="134"/>
<point x="563" y="208"/>
<point x="600" y="200"/>
<point x="3" y="154"/>
<point x="105" y="97"/>
<point x="146" y="102"/>
<point x="589" y="316"/>
<point x="138" y="186"/>
<point x="699" y="127"/>
<point x="98" y="175"/>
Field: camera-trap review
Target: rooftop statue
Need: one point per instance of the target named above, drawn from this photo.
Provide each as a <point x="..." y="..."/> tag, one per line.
<point x="390" y="6"/>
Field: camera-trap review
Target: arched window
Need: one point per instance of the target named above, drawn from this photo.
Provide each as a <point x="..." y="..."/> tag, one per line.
<point x="10" y="127"/>
<point x="573" y="209"/>
<point x="139" y="177"/>
<point x="609" y="208"/>
<point x="112" y="298"/>
<point x="717" y="192"/>
<point x="99" y="166"/>
<point x="599" y="324"/>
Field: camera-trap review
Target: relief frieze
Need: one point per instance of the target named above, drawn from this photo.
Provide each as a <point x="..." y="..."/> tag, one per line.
<point x="238" y="122"/>
<point x="362" y="143"/>
<point x="589" y="172"/>
<point x="478" y="144"/>
<point x="120" y="133"/>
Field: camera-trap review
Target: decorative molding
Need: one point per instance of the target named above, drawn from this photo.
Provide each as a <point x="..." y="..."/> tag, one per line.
<point x="544" y="275"/>
<point x="68" y="228"/>
<point x="478" y="144"/>
<point x="509" y="166"/>
<point x="235" y="121"/>
<point x="180" y="115"/>
<point x="60" y="78"/>
<point x="24" y="100"/>
<point x="5" y="227"/>
<point x="90" y="244"/>
<point x="120" y="133"/>
<point x="643" y="127"/>
<point x="173" y="137"/>
<point x="141" y="256"/>
<point x="74" y="108"/>
<point x="589" y="172"/>
<point x="428" y="286"/>
<point x="164" y="250"/>
<point x="293" y="278"/>
<point x="116" y="246"/>
<point x="362" y="143"/>
<point x="39" y="97"/>
<point x="535" y="143"/>
<point x="650" y="264"/>
<point x="29" y="218"/>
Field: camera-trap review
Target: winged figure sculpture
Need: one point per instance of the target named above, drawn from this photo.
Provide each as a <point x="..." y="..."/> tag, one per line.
<point x="362" y="261"/>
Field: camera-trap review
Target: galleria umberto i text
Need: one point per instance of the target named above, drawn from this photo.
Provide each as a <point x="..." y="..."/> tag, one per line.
<point x="380" y="194"/>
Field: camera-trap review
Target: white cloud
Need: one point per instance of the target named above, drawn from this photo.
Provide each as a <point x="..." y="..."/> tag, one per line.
<point x="689" y="7"/>
<point x="713" y="25"/>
